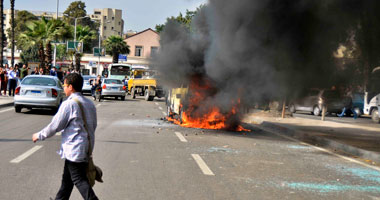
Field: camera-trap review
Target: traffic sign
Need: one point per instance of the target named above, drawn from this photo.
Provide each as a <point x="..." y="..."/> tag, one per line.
<point x="101" y="50"/>
<point x="75" y="46"/>
<point x="122" y="57"/>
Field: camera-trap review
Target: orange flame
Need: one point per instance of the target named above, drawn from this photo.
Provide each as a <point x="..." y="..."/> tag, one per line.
<point x="212" y="119"/>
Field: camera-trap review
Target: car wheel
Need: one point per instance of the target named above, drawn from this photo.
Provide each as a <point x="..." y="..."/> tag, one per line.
<point x="292" y="108"/>
<point x="316" y="111"/>
<point x="122" y="98"/>
<point x="116" y="98"/>
<point x="18" y="109"/>
<point x="375" y="115"/>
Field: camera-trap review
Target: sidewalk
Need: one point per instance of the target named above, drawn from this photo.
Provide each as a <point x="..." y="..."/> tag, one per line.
<point x="6" y="101"/>
<point x="353" y="139"/>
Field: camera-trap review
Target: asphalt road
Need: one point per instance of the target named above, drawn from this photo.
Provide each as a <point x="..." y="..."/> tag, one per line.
<point x="144" y="157"/>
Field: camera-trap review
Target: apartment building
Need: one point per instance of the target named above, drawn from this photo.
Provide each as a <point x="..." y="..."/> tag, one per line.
<point x="111" y="21"/>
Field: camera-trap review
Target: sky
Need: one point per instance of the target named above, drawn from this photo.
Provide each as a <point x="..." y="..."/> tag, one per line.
<point x="137" y="15"/>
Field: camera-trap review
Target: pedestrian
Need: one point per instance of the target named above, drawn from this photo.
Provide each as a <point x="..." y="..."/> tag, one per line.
<point x="95" y="83"/>
<point x="2" y="79"/>
<point x="41" y="71"/>
<point x="53" y="71"/>
<point x="23" y="72"/>
<point x="12" y="78"/>
<point x="5" y="82"/>
<point x="75" y="143"/>
<point x="35" y="71"/>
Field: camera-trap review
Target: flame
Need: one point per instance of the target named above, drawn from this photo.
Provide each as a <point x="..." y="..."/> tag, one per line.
<point x="212" y="118"/>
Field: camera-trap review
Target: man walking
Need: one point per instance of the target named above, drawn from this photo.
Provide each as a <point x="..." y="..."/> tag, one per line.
<point x="74" y="143"/>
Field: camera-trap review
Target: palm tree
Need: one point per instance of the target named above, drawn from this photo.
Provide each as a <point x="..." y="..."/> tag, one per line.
<point x="85" y="35"/>
<point x="115" y="45"/>
<point x="40" y="33"/>
<point x="1" y="32"/>
<point x="13" y="32"/>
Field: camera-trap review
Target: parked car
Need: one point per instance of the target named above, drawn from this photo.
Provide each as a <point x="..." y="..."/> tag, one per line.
<point x="39" y="91"/>
<point x="86" y="83"/>
<point x="113" y="88"/>
<point x="316" y="98"/>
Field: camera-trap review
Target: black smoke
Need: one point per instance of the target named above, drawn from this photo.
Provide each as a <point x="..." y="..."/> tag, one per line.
<point x="259" y="50"/>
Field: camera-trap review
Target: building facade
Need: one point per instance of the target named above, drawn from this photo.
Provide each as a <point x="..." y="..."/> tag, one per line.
<point x="143" y="46"/>
<point x="110" y="20"/>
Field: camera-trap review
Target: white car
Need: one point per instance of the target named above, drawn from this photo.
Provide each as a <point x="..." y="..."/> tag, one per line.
<point x="39" y="91"/>
<point x="113" y="88"/>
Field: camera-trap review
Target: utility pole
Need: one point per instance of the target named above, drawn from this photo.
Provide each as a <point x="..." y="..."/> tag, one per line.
<point x="57" y="7"/>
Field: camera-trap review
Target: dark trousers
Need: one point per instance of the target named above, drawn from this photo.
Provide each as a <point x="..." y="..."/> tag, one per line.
<point x="12" y="87"/>
<point x="75" y="174"/>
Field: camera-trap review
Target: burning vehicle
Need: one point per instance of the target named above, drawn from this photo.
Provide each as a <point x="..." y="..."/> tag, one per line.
<point x="185" y="107"/>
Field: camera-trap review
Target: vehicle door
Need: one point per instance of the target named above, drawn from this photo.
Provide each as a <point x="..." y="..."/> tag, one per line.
<point x="311" y="99"/>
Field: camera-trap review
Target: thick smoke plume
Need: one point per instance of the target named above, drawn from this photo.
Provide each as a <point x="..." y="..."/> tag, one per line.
<point x="257" y="50"/>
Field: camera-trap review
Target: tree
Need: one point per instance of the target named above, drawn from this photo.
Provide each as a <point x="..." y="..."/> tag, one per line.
<point x="184" y="20"/>
<point x="22" y="18"/>
<point x="13" y="32"/>
<point x="85" y="35"/>
<point x="78" y="9"/>
<point x="115" y="45"/>
<point x="40" y="33"/>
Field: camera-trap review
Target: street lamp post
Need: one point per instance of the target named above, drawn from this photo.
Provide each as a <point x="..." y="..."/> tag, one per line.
<point x="75" y="33"/>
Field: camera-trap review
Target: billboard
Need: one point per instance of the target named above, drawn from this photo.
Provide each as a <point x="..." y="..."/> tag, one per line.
<point x="75" y="46"/>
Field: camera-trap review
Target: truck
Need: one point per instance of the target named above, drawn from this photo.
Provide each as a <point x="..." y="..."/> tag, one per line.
<point x="174" y="102"/>
<point x="372" y="96"/>
<point x="144" y="83"/>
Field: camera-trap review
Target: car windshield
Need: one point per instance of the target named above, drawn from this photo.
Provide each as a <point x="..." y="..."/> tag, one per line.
<point x="39" y="81"/>
<point x="112" y="81"/>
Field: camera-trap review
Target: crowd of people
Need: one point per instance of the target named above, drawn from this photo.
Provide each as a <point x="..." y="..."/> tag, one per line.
<point x="10" y="76"/>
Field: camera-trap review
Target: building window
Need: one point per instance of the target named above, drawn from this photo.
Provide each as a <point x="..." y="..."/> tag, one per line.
<point x="112" y="28"/>
<point x="119" y="23"/>
<point x="97" y="13"/>
<point x="105" y="27"/>
<point x="105" y="17"/>
<point x="153" y="51"/>
<point x="138" y="51"/>
<point x="113" y="18"/>
<point x="118" y="33"/>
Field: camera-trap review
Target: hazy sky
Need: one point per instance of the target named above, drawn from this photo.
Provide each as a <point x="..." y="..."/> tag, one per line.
<point x="137" y="15"/>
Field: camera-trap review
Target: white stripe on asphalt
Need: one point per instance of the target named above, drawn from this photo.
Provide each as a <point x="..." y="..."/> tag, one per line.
<point x="59" y="133"/>
<point x="205" y="169"/>
<point x="164" y="113"/>
<point x="98" y="105"/>
<point x="156" y="103"/>
<point x="26" y="154"/>
<point x="160" y="108"/>
<point x="6" y="110"/>
<point x="180" y="136"/>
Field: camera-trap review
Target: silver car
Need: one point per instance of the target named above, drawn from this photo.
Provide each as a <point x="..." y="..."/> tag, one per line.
<point x="39" y="91"/>
<point x="86" y="83"/>
<point x="113" y="88"/>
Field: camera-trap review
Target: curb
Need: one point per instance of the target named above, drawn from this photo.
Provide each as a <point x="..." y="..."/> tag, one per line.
<point x="6" y="105"/>
<point x="320" y="141"/>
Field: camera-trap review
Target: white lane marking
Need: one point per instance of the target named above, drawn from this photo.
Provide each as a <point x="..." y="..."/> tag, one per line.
<point x="328" y="151"/>
<point x="205" y="169"/>
<point x="156" y="103"/>
<point x="26" y="154"/>
<point x="180" y="136"/>
<point x="164" y="113"/>
<point x="59" y="133"/>
<point x="98" y="105"/>
<point x="6" y="110"/>
<point x="160" y="108"/>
